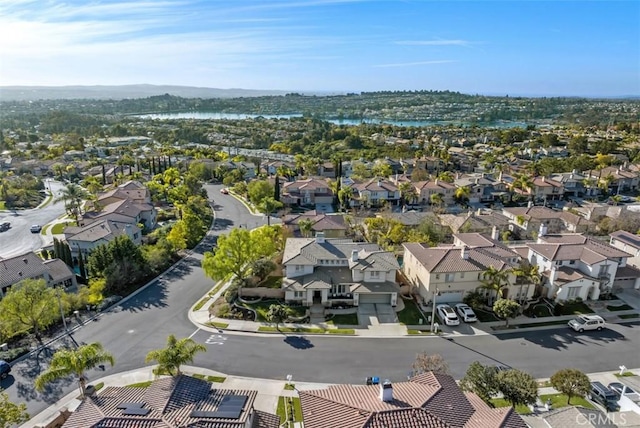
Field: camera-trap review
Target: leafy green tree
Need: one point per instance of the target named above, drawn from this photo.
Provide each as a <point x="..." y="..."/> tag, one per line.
<point x="381" y="169"/>
<point x="494" y="280"/>
<point x="259" y="190"/>
<point x="73" y="196"/>
<point x="517" y="387"/>
<point x="481" y="380"/>
<point x="176" y="354"/>
<point x="425" y="362"/>
<point x="306" y="226"/>
<point x="277" y="314"/>
<point x="436" y="199"/>
<point x="120" y="262"/>
<point x="30" y="305"/>
<point x="571" y="382"/>
<point x="262" y="268"/>
<point x="68" y="362"/>
<point x="10" y="413"/>
<point x="235" y="253"/>
<point x="267" y="206"/>
<point x="506" y="308"/>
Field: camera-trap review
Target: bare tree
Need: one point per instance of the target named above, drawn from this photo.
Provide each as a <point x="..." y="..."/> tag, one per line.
<point x="429" y="363"/>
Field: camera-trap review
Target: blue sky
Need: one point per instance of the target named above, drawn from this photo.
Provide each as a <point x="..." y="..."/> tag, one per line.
<point x="578" y="48"/>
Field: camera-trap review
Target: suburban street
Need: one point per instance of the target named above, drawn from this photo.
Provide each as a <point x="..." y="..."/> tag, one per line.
<point x="142" y="323"/>
<point x="18" y="239"/>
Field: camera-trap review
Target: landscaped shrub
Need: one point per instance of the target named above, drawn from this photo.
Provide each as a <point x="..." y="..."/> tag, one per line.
<point x="13" y="353"/>
<point x="223" y="311"/>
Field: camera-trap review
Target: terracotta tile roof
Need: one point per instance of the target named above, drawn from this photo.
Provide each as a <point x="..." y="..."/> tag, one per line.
<point x="537" y="213"/>
<point x="449" y="259"/>
<point x="170" y="402"/>
<point x="427" y="400"/>
<point x="576" y="247"/>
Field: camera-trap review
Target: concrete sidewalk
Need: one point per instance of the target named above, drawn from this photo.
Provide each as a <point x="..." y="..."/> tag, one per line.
<point x="268" y="389"/>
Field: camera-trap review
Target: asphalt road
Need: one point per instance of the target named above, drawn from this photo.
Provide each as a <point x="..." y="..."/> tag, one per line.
<point x="19" y="240"/>
<point x="143" y="323"/>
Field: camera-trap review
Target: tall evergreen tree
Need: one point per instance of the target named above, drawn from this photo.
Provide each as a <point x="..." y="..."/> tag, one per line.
<point x="165" y="163"/>
<point x="276" y="189"/>
<point x="170" y="161"/>
<point x="68" y="258"/>
<point x="81" y="266"/>
<point x="153" y="165"/>
<point x="56" y="248"/>
<point x="104" y="175"/>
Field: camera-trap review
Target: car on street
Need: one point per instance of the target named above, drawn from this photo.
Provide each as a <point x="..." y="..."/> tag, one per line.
<point x="5" y="226"/>
<point x="618" y="387"/>
<point x="5" y="369"/>
<point x="466" y="313"/>
<point x="604" y="396"/>
<point x="447" y="315"/>
<point x="587" y="322"/>
<point x="224" y="191"/>
<point x="36" y="228"/>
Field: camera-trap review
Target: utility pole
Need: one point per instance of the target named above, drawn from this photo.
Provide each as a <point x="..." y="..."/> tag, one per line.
<point x="433" y="310"/>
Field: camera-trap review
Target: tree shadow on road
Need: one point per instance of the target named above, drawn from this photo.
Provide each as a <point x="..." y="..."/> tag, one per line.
<point x="562" y="339"/>
<point x="298" y="342"/>
<point x="153" y="297"/>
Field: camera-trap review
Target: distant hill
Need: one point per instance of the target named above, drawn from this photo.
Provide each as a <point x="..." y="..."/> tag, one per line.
<point x="32" y="93"/>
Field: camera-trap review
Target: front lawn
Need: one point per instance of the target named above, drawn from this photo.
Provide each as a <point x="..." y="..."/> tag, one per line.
<point x="411" y="314"/>
<point x="501" y="402"/>
<point x="629" y="316"/>
<point x="343" y="319"/>
<point x="572" y="308"/>
<point x="345" y="331"/>
<point x="623" y="307"/>
<point x="293" y="405"/>
<point x="58" y="228"/>
<point x="540" y="311"/>
<point x="560" y="400"/>
<point x="270" y="329"/>
<point x="262" y="308"/>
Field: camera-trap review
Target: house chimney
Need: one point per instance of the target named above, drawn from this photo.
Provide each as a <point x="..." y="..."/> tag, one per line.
<point x="319" y="237"/>
<point x="500" y="176"/>
<point x="386" y="391"/>
<point x="575" y="171"/>
<point x="354" y="255"/>
<point x="479" y="212"/>
<point x="544" y="179"/>
<point x="495" y="233"/>
<point x="464" y="252"/>
<point x="436" y="181"/>
<point x="530" y="204"/>
<point x="543" y="230"/>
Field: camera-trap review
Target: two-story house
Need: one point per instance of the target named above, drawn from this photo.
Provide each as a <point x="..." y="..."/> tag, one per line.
<point x="85" y="239"/>
<point x="527" y="220"/>
<point x="338" y="271"/>
<point x="575" y="184"/>
<point x="29" y="266"/>
<point x="449" y="272"/>
<point x="619" y="178"/>
<point x="425" y="189"/>
<point x="575" y="266"/>
<point x="375" y="192"/>
<point x="483" y="188"/>
<point x="627" y="277"/>
<point x="308" y="192"/>
<point x="332" y="225"/>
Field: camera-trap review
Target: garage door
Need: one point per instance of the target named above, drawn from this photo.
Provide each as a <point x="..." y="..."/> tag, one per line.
<point x="384" y="298"/>
<point x="450" y="296"/>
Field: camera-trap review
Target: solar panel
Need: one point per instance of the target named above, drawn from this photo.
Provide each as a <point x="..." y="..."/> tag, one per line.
<point x="230" y="408"/>
<point x="130" y="405"/>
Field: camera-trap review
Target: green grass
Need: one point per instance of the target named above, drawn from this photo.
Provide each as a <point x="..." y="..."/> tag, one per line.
<point x="484" y="316"/>
<point x="218" y="379"/>
<point x="541" y="311"/>
<point x="625" y="374"/>
<point x="629" y="316"/>
<point x="218" y="324"/>
<point x="623" y="307"/>
<point x="44" y="229"/>
<point x="348" y="331"/>
<point x="501" y="402"/>
<point x="58" y="228"/>
<point x="99" y="386"/>
<point x="145" y="384"/>
<point x="2" y="206"/>
<point x="574" y="308"/>
<point x="262" y="308"/>
<point x="201" y="303"/>
<point x="269" y="329"/>
<point x="271" y="282"/>
<point x="418" y="332"/>
<point x="282" y="406"/>
<point x="47" y="201"/>
<point x="289" y="386"/>
<point x="344" y="319"/>
<point x="560" y="400"/>
<point x="410" y="315"/>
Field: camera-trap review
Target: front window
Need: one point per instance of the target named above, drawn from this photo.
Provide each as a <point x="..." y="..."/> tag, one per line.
<point x="450" y="277"/>
<point x="573" y="292"/>
<point x="375" y="274"/>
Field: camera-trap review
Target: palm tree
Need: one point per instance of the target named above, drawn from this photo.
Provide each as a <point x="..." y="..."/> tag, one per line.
<point x="344" y="196"/>
<point x="526" y="274"/>
<point x="305" y="225"/>
<point x="73" y="195"/>
<point x="495" y="280"/>
<point x="462" y="194"/>
<point x="436" y="199"/>
<point x="177" y="353"/>
<point x="67" y="362"/>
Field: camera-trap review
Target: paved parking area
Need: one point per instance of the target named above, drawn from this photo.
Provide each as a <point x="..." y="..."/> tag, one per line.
<point x="386" y="314"/>
<point x="367" y="314"/>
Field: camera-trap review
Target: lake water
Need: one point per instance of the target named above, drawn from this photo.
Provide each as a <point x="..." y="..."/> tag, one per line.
<point x="239" y="116"/>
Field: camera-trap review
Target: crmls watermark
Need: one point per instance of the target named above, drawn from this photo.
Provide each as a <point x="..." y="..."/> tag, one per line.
<point x="598" y="418"/>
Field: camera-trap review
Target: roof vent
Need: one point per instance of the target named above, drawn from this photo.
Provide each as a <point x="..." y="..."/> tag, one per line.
<point x="25" y="260"/>
<point x="386" y="391"/>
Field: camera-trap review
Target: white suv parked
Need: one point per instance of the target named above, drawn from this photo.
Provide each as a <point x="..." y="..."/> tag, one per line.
<point x="587" y="322"/>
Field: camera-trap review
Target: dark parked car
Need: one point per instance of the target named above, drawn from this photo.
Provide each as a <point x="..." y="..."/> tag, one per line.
<point x="5" y="369"/>
<point x="604" y="396"/>
<point x="5" y="226"/>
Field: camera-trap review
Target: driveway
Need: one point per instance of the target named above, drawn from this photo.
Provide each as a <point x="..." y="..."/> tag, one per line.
<point x="386" y="314"/>
<point x="367" y="314"/>
<point x="18" y="239"/>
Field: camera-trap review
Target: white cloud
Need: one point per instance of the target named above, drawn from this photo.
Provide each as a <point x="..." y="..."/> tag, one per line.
<point x="413" y="64"/>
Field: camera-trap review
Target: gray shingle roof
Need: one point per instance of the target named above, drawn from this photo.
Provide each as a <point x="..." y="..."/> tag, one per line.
<point x="15" y="269"/>
<point x="101" y="230"/>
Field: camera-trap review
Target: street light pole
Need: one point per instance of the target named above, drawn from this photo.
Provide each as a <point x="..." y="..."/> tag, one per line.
<point x="64" y="322"/>
<point x="433" y="310"/>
